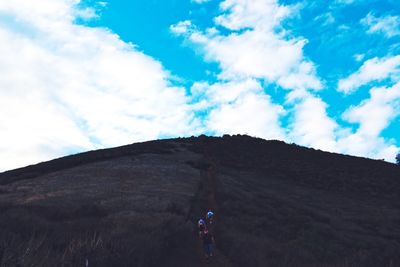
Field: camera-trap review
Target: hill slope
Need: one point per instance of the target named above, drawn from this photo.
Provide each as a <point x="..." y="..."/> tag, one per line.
<point x="136" y="205"/>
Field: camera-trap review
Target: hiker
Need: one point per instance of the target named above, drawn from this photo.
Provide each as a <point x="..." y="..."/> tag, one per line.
<point x="208" y="244"/>
<point x="202" y="226"/>
<point x="210" y="216"/>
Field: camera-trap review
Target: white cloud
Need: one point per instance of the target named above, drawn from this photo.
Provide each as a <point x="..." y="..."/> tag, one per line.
<point x="252" y="114"/>
<point x="373" y="116"/>
<point x="357" y="144"/>
<point x="313" y="127"/>
<point x="181" y="27"/>
<point x="256" y="45"/>
<point x="375" y="113"/>
<point x="219" y="93"/>
<point x="66" y="88"/>
<point x="240" y="107"/>
<point x="388" y="25"/>
<point x="374" y="69"/>
<point x="253" y="49"/>
<point x="255" y="14"/>
<point x="311" y="124"/>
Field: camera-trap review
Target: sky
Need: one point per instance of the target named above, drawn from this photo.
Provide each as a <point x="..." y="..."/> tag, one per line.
<point x="79" y="75"/>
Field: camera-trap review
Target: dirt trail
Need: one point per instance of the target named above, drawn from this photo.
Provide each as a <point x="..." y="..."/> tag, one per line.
<point x="191" y="253"/>
<point x="210" y="182"/>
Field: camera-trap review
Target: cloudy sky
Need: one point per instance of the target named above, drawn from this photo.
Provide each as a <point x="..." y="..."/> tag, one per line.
<point x="82" y="75"/>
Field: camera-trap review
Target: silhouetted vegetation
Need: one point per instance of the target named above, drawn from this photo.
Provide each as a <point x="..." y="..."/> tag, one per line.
<point x="276" y="205"/>
<point x="398" y="159"/>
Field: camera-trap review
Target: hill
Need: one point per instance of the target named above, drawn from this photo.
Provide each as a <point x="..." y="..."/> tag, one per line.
<point x="276" y="205"/>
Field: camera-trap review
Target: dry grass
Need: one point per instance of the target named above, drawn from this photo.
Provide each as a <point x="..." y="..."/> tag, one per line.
<point x="277" y="205"/>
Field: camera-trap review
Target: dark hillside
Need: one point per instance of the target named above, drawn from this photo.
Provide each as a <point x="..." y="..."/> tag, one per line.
<point x="276" y="205"/>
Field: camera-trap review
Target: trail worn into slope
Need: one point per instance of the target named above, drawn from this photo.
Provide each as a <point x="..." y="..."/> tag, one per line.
<point x="210" y="179"/>
<point x="206" y="198"/>
<point x="191" y="253"/>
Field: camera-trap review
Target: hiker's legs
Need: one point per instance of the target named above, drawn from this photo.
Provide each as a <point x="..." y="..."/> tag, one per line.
<point x="211" y="249"/>
<point x="207" y="250"/>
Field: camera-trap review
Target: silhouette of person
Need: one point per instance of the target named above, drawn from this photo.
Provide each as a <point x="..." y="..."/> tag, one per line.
<point x="208" y="244"/>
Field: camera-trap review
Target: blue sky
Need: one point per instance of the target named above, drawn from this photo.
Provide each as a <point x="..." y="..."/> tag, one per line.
<point x="83" y="75"/>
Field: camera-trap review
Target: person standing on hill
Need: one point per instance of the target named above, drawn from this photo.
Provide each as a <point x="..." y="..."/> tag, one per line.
<point x="208" y="244"/>
<point x="202" y="226"/>
<point x="210" y="223"/>
<point x="210" y="217"/>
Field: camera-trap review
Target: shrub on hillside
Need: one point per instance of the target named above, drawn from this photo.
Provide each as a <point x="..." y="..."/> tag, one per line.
<point x="398" y="159"/>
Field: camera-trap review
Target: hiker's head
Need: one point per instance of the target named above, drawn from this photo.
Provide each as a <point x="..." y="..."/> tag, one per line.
<point x="201" y="222"/>
<point x="210" y="214"/>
